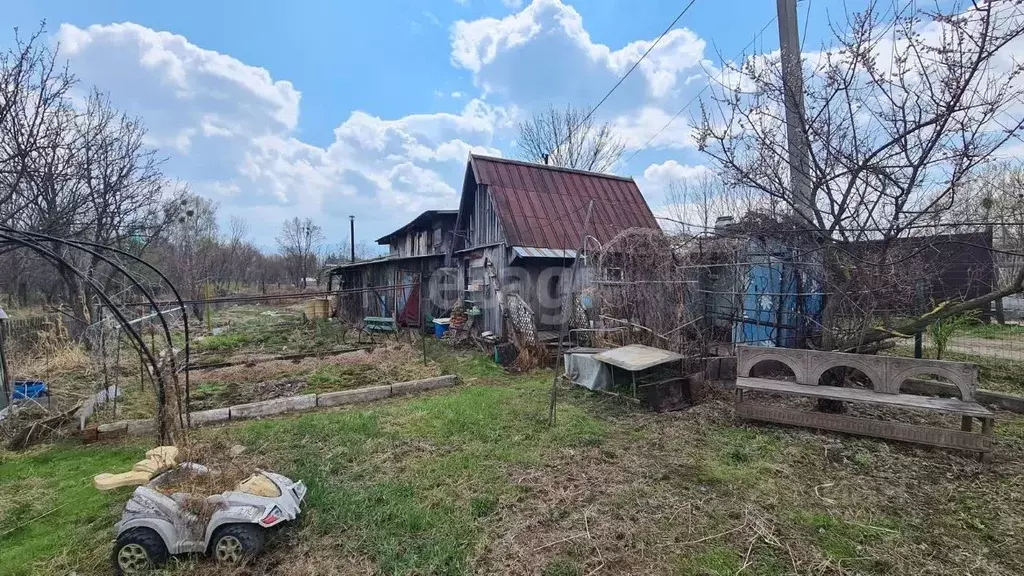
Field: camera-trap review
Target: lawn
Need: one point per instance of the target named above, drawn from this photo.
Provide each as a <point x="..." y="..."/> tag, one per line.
<point x="996" y="374"/>
<point x="471" y="480"/>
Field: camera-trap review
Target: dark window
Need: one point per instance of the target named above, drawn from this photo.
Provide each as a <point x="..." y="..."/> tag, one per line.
<point x="555" y="287"/>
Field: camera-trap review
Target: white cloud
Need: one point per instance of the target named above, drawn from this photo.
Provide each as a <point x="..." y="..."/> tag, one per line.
<point x="640" y="126"/>
<point x="230" y="130"/>
<point x="661" y="175"/>
<point x="544" y="53"/>
<point x="180" y="69"/>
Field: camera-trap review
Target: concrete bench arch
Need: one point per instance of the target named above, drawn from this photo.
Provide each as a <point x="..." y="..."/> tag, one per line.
<point x="821" y="362"/>
<point x="963" y="376"/>
<point x="749" y="356"/>
<point x="887" y="373"/>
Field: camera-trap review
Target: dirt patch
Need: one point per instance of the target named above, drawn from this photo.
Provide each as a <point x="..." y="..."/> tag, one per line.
<point x="242" y="384"/>
<point x="273" y="369"/>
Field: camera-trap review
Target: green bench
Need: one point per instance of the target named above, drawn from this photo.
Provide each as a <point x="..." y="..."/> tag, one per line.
<point x="379" y="324"/>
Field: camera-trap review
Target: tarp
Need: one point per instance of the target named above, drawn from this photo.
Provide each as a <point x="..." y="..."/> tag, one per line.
<point x="585" y="370"/>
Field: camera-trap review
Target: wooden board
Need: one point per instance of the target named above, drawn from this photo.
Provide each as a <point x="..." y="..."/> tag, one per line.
<point x="949" y="405"/>
<point x="637" y="357"/>
<point x="864" y="427"/>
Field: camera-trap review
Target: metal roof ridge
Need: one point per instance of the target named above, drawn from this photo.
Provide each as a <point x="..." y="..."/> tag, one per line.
<point x="552" y="167"/>
<point x="413" y="221"/>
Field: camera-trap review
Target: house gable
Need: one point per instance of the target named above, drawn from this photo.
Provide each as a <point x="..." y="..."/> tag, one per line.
<point x="534" y="205"/>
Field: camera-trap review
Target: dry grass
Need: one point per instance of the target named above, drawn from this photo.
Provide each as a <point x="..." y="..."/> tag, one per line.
<point x="67" y="363"/>
<point x="689" y="493"/>
<point x="386" y="364"/>
<point x="470" y="480"/>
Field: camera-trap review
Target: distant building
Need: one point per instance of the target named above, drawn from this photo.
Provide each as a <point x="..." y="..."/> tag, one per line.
<point x="391" y="285"/>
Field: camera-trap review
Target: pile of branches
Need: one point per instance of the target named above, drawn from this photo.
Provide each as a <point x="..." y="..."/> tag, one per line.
<point x="645" y="289"/>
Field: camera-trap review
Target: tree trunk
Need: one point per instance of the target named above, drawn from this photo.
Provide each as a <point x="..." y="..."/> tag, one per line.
<point x="77" y="301"/>
<point x="999" y="312"/>
<point x="944" y="310"/>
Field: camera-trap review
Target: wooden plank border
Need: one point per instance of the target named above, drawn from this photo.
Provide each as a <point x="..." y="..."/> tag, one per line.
<point x="864" y="427"/>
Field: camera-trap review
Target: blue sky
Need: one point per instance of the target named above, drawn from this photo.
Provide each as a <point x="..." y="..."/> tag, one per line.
<point x="322" y="109"/>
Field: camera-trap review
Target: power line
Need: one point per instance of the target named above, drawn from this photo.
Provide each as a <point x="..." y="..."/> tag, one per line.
<point x="698" y="95"/>
<point x="919" y="226"/>
<point x="624" y="76"/>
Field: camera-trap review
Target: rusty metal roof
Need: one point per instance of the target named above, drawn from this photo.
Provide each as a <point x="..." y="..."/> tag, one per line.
<point x="545" y="206"/>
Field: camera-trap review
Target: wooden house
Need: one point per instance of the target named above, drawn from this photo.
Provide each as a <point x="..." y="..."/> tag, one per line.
<point x="392" y="285"/>
<point x="520" y="224"/>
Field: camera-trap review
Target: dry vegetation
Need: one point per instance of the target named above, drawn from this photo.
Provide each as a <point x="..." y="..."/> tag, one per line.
<point x="472" y="481"/>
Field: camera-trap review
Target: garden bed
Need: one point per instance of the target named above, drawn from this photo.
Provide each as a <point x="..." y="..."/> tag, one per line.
<point x="269" y="380"/>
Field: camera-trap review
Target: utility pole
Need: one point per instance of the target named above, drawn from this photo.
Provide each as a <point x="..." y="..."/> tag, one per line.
<point x="793" y="86"/>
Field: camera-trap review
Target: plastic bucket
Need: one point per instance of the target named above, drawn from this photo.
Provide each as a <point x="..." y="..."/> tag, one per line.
<point x="440" y="326"/>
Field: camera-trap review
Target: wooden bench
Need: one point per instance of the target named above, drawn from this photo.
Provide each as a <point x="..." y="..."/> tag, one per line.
<point x="887" y="375"/>
<point x="380" y="324"/>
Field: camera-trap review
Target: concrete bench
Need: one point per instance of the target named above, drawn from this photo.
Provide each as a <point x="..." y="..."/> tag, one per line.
<point x="887" y="375"/>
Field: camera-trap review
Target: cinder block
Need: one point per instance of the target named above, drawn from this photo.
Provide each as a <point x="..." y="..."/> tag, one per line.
<point x="205" y="417"/>
<point x="426" y="384"/>
<point x="353" y="396"/>
<point x="271" y="407"/>
<point x="142" y="427"/>
<point x="112" y="430"/>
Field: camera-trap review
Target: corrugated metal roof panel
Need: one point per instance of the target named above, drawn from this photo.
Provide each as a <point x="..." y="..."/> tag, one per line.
<point x="545" y="206"/>
<point x="531" y="252"/>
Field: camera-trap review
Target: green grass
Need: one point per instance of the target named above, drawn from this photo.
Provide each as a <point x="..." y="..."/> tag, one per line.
<point x="718" y="561"/>
<point x="54" y="484"/>
<point x="562" y="567"/>
<point x="994" y="331"/>
<point x="334" y="377"/>
<point x="739" y="458"/>
<point x="846" y="542"/>
<point x="996" y="374"/>
<point x="223" y="342"/>
<point x="472" y="480"/>
<point x="422" y="515"/>
<point x="272" y="333"/>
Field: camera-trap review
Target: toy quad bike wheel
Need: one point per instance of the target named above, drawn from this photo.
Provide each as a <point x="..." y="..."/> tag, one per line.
<point x="235" y="543"/>
<point x="138" y="551"/>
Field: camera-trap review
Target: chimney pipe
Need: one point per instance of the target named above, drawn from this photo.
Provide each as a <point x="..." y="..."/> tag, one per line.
<point x="352" y="236"/>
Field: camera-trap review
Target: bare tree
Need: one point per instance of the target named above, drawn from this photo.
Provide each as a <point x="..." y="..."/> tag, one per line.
<point x="300" y="243"/>
<point x="899" y="115"/>
<point x="189" y="250"/>
<point x="237" y="254"/>
<point x="341" y="252"/>
<point x="33" y="90"/>
<point x="695" y="204"/>
<point x="569" y="138"/>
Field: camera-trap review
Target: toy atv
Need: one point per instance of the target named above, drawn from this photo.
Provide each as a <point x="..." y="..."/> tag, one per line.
<point x="154" y="526"/>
